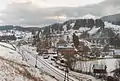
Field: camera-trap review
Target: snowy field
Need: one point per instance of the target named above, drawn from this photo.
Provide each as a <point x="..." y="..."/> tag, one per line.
<point x="14" y="68"/>
<point x="87" y="66"/>
<point x="115" y="28"/>
<point x="43" y="64"/>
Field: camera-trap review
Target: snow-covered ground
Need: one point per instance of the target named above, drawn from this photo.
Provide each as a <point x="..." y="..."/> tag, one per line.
<point x="84" y="76"/>
<point x="9" y="60"/>
<point x="6" y="44"/>
<point x="87" y="66"/>
<point x="16" y="33"/>
<point x="44" y="64"/>
<point x="83" y="29"/>
<point x="117" y="51"/>
<point x="115" y="28"/>
<point x="93" y="30"/>
<point x="14" y="68"/>
<point x="89" y="16"/>
<point x="79" y="76"/>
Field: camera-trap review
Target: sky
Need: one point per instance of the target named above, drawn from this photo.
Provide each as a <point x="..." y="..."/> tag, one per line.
<point x="44" y="12"/>
<point x="51" y="3"/>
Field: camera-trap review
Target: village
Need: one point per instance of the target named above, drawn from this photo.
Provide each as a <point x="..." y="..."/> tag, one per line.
<point x="91" y="53"/>
<point x="60" y="40"/>
<point x="91" y="56"/>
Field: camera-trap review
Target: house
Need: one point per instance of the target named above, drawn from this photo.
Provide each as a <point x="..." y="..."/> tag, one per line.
<point x="65" y="48"/>
<point x="99" y="69"/>
<point x="84" y="47"/>
<point x="61" y="42"/>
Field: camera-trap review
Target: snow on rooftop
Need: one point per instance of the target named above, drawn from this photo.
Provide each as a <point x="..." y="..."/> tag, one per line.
<point x="117" y="51"/>
<point x="66" y="46"/>
<point x="85" y="42"/>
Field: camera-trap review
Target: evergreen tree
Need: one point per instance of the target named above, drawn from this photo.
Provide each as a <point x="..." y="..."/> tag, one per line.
<point x="115" y="41"/>
<point x="90" y="23"/>
<point x="78" y="24"/>
<point x="99" y="23"/>
<point x="75" y="40"/>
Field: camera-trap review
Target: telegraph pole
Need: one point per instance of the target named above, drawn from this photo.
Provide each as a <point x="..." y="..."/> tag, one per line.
<point x="36" y="61"/>
<point x="66" y="74"/>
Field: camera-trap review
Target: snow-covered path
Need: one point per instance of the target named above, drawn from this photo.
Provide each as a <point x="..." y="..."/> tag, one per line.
<point x="44" y="66"/>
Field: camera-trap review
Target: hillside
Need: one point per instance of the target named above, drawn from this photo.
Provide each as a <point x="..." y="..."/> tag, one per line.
<point x="19" y="28"/>
<point x="86" y="26"/>
<point x="75" y="24"/>
<point x="115" y="19"/>
<point x="84" y="29"/>
<point x="14" y="66"/>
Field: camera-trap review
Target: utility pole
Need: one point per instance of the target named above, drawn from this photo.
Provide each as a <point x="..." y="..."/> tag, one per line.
<point x="66" y="74"/>
<point x="36" y="61"/>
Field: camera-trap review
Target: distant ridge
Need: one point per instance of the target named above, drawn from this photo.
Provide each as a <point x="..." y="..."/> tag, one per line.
<point x="89" y="16"/>
<point x="115" y="19"/>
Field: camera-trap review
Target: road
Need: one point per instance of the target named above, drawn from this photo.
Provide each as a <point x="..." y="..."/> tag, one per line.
<point x="45" y="66"/>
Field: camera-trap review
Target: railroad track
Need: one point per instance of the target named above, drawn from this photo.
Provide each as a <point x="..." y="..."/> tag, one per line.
<point x="58" y="74"/>
<point x="80" y="78"/>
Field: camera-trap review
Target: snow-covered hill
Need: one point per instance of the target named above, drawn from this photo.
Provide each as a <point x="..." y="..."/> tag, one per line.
<point x="16" y="33"/>
<point x="115" y="18"/>
<point x="89" y="24"/>
<point x="115" y="28"/>
<point x="88" y="27"/>
<point x="14" y="68"/>
<point x="89" y="16"/>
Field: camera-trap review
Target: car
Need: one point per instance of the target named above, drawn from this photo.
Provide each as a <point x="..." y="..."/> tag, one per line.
<point x="62" y="61"/>
<point x="53" y="59"/>
<point x="56" y="66"/>
<point x="46" y="56"/>
<point x="40" y="54"/>
<point x="62" y="68"/>
<point x="55" y="56"/>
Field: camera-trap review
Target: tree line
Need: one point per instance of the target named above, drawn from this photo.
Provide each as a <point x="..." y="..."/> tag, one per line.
<point x="88" y="23"/>
<point x="10" y="37"/>
<point x="115" y="41"/>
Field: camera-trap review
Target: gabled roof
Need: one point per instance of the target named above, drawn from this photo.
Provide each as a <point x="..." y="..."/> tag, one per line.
<point x="61" y="41"/>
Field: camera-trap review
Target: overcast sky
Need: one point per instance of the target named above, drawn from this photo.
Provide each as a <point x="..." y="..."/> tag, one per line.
<point x="44" y="12"/>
